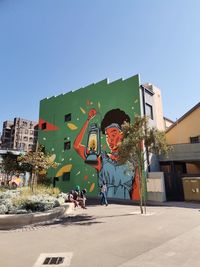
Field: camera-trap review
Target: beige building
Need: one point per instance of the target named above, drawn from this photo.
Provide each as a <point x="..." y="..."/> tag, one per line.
<point x="153" y="106"/>
<point x="20" y="134"/>
<point x="186" y="129"/>
<point x="184" y="159"/>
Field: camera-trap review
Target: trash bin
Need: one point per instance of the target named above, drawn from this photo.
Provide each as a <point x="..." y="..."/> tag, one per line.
<point x="191" y="188"/>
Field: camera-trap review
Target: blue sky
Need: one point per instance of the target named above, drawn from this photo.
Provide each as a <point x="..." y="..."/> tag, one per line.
<point x="48" y="47"/>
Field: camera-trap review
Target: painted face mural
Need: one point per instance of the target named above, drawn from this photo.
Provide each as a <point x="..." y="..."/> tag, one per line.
<point x="114" y="137"/>
<point x="118" y="178"/>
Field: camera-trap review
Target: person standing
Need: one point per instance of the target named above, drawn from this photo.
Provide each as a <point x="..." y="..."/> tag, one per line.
<point x="103" y="193"/>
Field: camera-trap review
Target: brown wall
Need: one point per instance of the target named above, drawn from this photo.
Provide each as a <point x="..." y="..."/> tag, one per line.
<point x="193" y="168"/>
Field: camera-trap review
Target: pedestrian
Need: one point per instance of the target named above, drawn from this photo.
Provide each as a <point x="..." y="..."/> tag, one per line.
<point x="103" y="194"/>
<point x="82" y="198"/>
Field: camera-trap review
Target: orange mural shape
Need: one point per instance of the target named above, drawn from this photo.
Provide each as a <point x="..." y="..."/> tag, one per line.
<point x="48" y="126"/>
<point x="135" y="191"/>
<point x="85" y="177"/>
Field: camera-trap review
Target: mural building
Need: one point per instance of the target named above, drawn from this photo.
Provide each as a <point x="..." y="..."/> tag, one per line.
<point x="82" y="129"/>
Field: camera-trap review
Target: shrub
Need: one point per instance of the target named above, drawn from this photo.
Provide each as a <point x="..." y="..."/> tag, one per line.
<point x="23" y="201"/>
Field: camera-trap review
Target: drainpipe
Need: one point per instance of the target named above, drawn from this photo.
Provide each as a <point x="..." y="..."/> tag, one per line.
<point x="144" y="111"/>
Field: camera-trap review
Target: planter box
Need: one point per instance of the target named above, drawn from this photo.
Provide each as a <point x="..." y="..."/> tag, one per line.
<point x="11" y="221"/>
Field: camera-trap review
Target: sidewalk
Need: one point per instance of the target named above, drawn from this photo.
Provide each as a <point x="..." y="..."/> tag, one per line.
<point x="114" y="236"/>
<point x="186" y="204"/>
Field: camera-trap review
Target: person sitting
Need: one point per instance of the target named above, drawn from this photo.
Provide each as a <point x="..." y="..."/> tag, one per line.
<point x="72" y="197"/>
<point x="82" y="198"/>
<point x="78" y="197"/>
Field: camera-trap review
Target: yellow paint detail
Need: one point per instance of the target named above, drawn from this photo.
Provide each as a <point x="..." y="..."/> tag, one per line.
<point x="92" y="187"/>
<point x="66" y="168"/>
<point x="83" y="111"/>
<point x="99" y="105"/>
<point x="72" y="126"/>
<point x="43" y="172"/>
<point x="52" y="157"/>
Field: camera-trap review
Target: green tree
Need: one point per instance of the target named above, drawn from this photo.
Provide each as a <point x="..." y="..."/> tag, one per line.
<point x="10" y="164"/>
<point x="139" y="141"/>
<point x="38" y="161"/>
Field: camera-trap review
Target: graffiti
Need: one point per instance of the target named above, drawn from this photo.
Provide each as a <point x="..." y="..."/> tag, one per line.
<point x="119" y="178"/>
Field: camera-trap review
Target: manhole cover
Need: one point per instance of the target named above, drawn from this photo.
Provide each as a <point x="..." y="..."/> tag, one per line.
<point x="54" y="259"/>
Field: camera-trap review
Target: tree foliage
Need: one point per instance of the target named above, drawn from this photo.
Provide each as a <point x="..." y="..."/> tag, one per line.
<point x="9" y="163"/>
<point x="38" y="161"/>
<point x="140" y="140"/>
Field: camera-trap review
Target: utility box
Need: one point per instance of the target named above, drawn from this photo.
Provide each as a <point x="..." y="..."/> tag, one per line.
<point x="191" y="188"/>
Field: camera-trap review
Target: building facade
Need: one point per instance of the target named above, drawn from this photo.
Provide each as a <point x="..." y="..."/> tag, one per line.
<point x="82" y="130"/>
<point x="20" y="134"/>
<point x="184" y="159"/>
<point x="167" y="123"/>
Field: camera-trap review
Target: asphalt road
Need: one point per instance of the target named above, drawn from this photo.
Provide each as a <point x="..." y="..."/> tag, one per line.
<point x="113" y="236"/>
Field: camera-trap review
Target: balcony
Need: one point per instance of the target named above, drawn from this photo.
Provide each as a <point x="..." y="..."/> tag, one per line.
<point x="183" y="152"/>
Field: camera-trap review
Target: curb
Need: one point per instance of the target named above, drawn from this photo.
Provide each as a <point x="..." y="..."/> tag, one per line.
<point x="11" y="221"/>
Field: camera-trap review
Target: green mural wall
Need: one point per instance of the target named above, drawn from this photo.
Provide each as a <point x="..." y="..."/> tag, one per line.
<point x="103" y="97"/>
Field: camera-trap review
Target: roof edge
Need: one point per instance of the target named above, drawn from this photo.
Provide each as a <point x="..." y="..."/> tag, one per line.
<point x="183" y="117"/>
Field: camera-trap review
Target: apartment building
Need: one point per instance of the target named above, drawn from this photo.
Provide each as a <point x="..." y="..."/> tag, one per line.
<point x="19" y="134"/>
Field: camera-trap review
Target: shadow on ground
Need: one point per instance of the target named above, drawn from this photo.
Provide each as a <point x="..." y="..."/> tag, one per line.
<point x="81" y="219"/>
<point x="77" y="220"/>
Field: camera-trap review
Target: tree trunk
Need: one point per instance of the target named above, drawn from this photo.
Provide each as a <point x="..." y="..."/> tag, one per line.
<point x="140" y="189"/>
<point x="30" y="179"/>
<point x="33" y="182"/>
<point x="143" y="186"/>
<point x="144" y="193"/>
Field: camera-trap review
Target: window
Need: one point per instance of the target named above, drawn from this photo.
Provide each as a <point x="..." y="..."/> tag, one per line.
<point x="23" y="145"/>
<point x="66" y="176"/>
<point x="44" y="125"/>
<point x="67" y="145"/>
<point x="68" y="117"/>
<point x="195" y="139"/>
<point x="7" y="134"/>
<point x="25" y="138"/>
<point x="30" y="147"/>
<point x="149" y="111"/>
